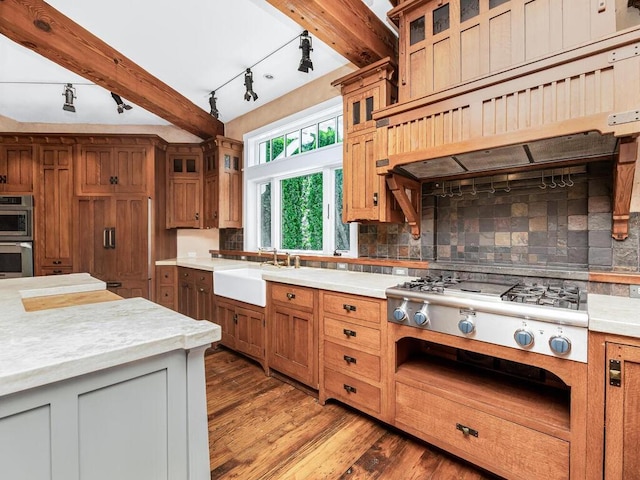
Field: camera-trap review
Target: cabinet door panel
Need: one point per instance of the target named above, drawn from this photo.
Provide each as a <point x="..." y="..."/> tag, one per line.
<point x="131" y="238"/>
<point x="54" y="224"/>
<point x="623" y="415"/>
<point x="131" y="170"/>
<point x="16" y="163"/>
<point x="225" y="318"/>
<point x="185" y="204"/>
<point x="95" y="170"/>
<point x="250" y="332"/>
<point x="291" y="349"/>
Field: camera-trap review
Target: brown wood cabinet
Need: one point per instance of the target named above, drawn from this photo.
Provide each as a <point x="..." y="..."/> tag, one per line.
<point x="366" y="195"/>
<point x="195" y="293"/>
<point x="108" y="169"/>
<point x="53" y="211"/>
<point x="444" y="43"/>
<point x="353" y="352"/>
<point x="184" y="186"/>
<point x="113" y="243"/>
<point x="243" y="328"/>
<point x="223" y="183"/>
<point x="293" y="332"/>
<point x="622" y="413"/>
<point x="166" y="286"/>
<point x="17" y="168"/>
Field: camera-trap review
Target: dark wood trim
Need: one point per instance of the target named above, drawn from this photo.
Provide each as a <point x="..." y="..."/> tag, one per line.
<point x="613" y="277"/>
<point x="623" y="173"/>
<point x="410" y="205"/>
<point x="347" y="26"/>
<point x="37" y="26"/>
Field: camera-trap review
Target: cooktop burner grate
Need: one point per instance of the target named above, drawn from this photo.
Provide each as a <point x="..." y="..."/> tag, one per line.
<point x="570" y="297"/>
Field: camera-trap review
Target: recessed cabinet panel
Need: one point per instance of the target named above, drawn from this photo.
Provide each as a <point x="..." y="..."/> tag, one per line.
<point x="17" y="169"/>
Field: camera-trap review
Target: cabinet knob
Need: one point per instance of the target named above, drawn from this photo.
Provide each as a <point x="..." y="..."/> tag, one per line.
<point x="57" y="262"/>
<point x="197" y="216"/>
<point x="291" y="296"/>
<point x="349" y="388"/>
<point x="201" y="289"/>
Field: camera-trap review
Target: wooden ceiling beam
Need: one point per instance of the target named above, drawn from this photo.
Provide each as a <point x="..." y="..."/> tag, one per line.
<point x="348" y="26"/>
<point x="43" y="29"/>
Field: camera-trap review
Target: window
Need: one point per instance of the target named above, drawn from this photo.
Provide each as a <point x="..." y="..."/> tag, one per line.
<point x="293" y="185"/>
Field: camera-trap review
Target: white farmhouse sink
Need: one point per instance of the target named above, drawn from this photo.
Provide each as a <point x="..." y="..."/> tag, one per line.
<point x="242" y="284"/>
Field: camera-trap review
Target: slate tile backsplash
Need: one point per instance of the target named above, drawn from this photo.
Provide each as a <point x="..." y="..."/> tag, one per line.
<point x="562" y="227"/>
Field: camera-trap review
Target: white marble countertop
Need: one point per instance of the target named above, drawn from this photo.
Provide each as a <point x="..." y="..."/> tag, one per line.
<point x="343" y="281"/>
<point x="46" y="346"/>
<point x="206" y="263"/>
<point x="617" y="315"/>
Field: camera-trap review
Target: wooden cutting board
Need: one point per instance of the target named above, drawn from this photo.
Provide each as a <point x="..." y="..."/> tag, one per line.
<point x="68" y="299"/>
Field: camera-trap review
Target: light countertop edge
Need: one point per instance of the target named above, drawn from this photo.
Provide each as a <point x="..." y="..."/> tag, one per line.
<point x="615" y="315"/>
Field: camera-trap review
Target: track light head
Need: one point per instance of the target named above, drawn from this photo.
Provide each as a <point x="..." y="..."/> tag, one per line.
<point x="121" y="105"/>
<point x="306" y="47"/>
<point x="248" y="83"/>
<point x="69" y="93"/>
<point x="212" y="103"/>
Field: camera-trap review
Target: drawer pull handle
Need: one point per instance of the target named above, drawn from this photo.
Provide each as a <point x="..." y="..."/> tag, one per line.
<point x="349" y="308"/>
<point x="291" y="296"/>
<point x="466" y="431"/>
<point x="349" y="359"/>
<point x="349" y="333"/>
<point x="349" y="388"/>
<point x="201" y="289"/>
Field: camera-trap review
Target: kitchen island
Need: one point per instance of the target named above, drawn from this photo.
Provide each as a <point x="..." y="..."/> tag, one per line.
<point x="105" y="390"/>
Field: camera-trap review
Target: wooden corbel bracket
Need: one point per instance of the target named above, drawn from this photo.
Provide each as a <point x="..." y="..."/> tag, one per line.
<point x="407" y="193"/>
<point x="623" y="173"/>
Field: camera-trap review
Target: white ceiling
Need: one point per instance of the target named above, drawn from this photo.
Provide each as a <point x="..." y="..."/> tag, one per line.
<point x="194" y="46"/>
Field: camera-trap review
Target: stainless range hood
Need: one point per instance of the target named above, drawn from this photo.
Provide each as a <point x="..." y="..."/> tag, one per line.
<point x="570" y="148"/>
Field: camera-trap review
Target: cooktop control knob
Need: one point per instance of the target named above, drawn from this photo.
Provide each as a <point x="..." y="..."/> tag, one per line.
<point x="467" y="325"/>
<point x="523" y="337"/>
<point x="421" y="317"/>
<point x="400" y="313"/>
<point x="560" y="345"/>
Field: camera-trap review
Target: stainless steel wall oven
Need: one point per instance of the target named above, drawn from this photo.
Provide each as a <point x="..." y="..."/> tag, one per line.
<point x="16" y="236"/>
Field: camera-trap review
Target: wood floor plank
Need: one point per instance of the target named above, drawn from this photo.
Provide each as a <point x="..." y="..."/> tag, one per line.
<point x="261" y="428"/>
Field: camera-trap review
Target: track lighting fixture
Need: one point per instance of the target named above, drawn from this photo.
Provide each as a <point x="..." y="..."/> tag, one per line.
<point x="248" y="83"/>
<point x="121" y="105"/>
<point x="69" y="94"/>
<point x="212" y="103"/>
<point x="305" y="46"/>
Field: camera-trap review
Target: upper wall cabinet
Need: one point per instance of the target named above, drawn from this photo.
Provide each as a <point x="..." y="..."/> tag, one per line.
<point x="108" y="169"/>
<point x="184" y="186"/>
<point x="445" y="43"/>
<point x="17" y="168"/>
<point x="223" y="183"/>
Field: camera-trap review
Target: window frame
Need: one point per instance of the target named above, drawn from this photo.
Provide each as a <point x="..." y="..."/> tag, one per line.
<point x="325" y="159"/>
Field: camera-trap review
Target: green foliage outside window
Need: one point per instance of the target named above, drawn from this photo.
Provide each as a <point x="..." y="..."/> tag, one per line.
<point x="302" y="212"/>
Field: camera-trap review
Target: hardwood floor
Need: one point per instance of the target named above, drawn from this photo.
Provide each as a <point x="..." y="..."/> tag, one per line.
<point x="263" y="428"/>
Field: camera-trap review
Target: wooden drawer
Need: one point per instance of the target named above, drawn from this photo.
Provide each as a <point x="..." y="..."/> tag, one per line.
<point x="356" y="336"/>
<point x="204" y="279"/>
<point x="352" y="391"/>
<point x="435" y="420"/>
<point x="166" y="274"/>
<point x="291" y="295"/>
<point x="351" y="361"/>
<point x="185" y="273"/>
<point x="352" y="307"/>
<point x="166" y="295"/>
<point x="60" y="270"/>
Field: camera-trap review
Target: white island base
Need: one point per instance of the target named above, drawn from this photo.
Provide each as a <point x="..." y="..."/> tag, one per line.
<point x="99" y="411"/>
